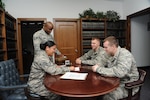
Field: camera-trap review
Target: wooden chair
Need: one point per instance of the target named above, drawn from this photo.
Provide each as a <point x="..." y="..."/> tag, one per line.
<point x="131" y="85"/>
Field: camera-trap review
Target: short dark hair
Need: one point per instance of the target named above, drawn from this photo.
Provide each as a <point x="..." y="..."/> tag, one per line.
<point x="95" y="38"/>
<point x="112" y="40"/>
<point x="48" y="43"/>
<point x="48" y="23"/>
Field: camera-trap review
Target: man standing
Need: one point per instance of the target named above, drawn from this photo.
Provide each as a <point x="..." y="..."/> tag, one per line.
<point x="42" y="36"/>
<point x="121" y="64"/>
<point x="94" y="55"/>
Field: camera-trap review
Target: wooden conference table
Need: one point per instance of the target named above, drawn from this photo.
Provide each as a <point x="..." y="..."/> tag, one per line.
<point x="94" y="85"/>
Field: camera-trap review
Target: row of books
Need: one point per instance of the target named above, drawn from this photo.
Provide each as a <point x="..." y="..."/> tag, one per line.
<point x="116" y="25"/>
<point x="1" y="56"/>
<point x="94" y="25"/>
<point x="9" y="23"/>
<point x="11" y="44"/>
<point x="1" y="44"/>
<point x="88" y="42"/>
<point x="122" y="42"/>
<point x="101" y="33"/>
<point x="116" y="33"/>
<point x="0" y="31"/>
<point x="12" y="55"/>
<point x="93" y="33"/>
<point x="10" y="34"/>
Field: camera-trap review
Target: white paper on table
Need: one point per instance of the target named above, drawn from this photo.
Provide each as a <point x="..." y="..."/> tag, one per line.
<point x="77" y="68"/>
<point x="74" y="76"/>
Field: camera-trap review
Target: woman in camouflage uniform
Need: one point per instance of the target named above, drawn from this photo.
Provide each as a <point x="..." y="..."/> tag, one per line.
<point x="41" y="65"/>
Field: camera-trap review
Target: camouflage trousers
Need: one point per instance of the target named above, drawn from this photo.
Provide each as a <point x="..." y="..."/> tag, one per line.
<point x="49" y="95"/>
<point x="42" y="91"/>
<point x="53" y="96"/>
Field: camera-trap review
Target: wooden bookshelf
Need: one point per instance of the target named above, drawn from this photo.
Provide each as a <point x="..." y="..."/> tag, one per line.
<point x="8" y="37"/>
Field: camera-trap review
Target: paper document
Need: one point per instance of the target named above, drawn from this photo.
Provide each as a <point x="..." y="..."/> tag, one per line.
<point x="74" y="76"/>
<point x="77" y="68"/>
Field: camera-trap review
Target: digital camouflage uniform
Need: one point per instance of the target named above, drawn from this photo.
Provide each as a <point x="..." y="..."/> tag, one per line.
<point x="93" y="57"/>
<point x="40" y="66"/>
<point x="123" y="66"/>
<point x="41" y="37"/>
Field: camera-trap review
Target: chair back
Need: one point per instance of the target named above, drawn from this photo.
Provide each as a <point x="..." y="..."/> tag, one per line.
<point x="142" y="75"/>
<point x="8" y="73"/>
<point x="131" y="85"/>
<point x="9" y="77"/>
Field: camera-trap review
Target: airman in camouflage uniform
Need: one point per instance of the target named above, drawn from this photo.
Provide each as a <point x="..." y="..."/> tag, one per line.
<point x="121" y="64"/>
<point x="42" y="36"/>
<point x="41" y="65"/>
<point x="94" y="55"/>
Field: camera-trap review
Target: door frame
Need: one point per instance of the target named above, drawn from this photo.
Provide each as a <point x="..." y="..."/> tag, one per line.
<point x="78" y="30"/>
<point x="129" y="17"/>
<point x="19" y="40"/>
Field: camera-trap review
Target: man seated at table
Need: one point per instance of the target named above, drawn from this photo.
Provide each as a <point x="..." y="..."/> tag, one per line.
<point x="121" y="64"/>
<point x="42" y="65"/>
<point x="94" y="55"/>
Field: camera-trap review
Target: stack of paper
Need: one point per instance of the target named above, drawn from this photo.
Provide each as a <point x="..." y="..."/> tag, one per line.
<point x="74" y="76"/>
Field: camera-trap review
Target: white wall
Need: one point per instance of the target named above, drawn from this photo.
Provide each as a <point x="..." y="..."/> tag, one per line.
<point x="140" y="39"/>
<point x="132" y="6"/>
<point x="71" y="8"/>
<point x="59" y="8"/>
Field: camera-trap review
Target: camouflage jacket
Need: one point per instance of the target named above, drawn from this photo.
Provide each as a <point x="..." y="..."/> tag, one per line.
<point x="42" y="37"/>
<point x="93" y="57"/>
<point x="121" y="65"/>
<point x="41" y="65"/>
